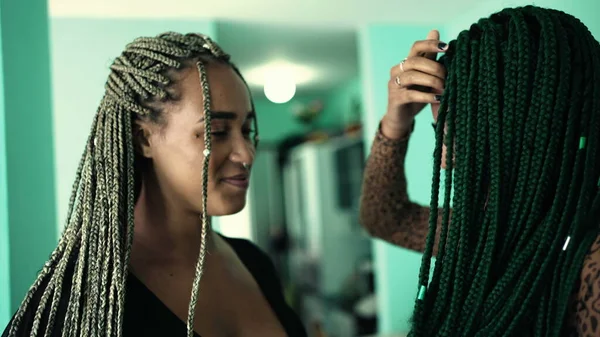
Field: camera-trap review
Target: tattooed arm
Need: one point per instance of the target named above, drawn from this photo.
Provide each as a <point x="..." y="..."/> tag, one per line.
<point x="585" y="317"/>
<point x="386" y="211"/>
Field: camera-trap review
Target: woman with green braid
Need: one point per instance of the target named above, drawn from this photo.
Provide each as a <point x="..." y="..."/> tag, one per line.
<point x="171" y="145"/>
<point x="516" y="107"/>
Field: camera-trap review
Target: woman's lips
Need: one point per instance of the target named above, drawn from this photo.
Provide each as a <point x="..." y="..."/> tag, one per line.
<point x="239" y="181"/>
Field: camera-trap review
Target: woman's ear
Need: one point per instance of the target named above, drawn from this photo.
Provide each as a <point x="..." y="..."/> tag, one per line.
<point x="141" y="138"/>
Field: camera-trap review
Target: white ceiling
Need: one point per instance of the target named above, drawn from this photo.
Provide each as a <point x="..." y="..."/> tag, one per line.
<point x="326" y="57"/>
<point x="317" y="35"/>
<point x="321" y="12"/>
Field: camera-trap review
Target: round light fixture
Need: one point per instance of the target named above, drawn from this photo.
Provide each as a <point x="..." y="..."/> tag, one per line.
<point x="279" y="87"/>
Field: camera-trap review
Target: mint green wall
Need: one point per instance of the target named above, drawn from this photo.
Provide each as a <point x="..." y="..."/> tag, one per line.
<point x="380" y="47"/>
<point x="29" y="151"/>
<point x="5" y="312"/>
<point x="276" y="121"/>
<point x="339" y="103"/>
<point x="585" y="10"/>
<point x="82" y="51"/>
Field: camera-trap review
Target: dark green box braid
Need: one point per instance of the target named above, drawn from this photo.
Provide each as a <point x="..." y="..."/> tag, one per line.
<point x="99" y="230"/>
<point x="522" y="118"/>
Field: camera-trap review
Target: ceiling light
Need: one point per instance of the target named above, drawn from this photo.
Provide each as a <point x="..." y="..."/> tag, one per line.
<point x="300" y="74"/>
<point x="279" y="87"/>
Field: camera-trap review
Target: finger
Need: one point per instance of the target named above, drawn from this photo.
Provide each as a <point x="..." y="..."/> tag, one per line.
<point x="414" y="77"/>
<point x="407" y="96"/>
<point x="432" y="35"/>
<point x="427" y="48"/>
<point x="421" y="64"/>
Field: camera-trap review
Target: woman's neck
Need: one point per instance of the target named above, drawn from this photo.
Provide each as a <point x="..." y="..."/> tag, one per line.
<point x="170" y="231"/>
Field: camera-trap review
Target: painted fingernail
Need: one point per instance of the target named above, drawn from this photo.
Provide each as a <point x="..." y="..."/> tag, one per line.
<point x="438" y="97"/>
<point x="442" y="46"/>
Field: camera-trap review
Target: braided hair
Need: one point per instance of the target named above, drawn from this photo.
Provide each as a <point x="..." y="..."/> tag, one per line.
<point x="520" y="118"/>
<point x="99" y="231"/>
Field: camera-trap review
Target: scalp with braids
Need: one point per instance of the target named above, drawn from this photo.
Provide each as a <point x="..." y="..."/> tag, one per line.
<point x="522" y="117"/>
<point x="99" y="230"/>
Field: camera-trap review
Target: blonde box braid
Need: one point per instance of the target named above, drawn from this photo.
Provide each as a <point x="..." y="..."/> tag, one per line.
<point x="522" y="117"/>
<point x="99" y="230"/>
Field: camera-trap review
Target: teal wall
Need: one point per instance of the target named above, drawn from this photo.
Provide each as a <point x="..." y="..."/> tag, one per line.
<point x="276" y="121"/>
<point x="380" y="47"/>
<point x="82" y="51"/>
<point x="5" y="312"/>
<point x="28" y="141"/>
<point x="585" y="10"/>
<point x="339" y="103"/>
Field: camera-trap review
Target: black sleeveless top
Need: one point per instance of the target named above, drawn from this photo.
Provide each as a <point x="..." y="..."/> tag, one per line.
<point x="145" y="315"/>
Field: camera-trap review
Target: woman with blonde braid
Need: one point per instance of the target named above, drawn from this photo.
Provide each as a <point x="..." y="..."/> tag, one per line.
<point x="171" y="145"/>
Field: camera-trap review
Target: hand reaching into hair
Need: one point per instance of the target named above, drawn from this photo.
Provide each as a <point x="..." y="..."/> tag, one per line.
<point x="415" y="82"/>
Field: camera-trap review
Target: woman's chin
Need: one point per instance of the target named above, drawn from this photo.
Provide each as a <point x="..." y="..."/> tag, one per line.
<point x="226" y="207"/>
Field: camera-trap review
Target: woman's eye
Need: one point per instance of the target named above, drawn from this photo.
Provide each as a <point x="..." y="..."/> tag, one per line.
<point x="219" y="133"/>
<point x="247" y="132"/>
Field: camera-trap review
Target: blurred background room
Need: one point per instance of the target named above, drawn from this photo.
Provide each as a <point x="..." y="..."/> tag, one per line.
<point x="318" y="72"/>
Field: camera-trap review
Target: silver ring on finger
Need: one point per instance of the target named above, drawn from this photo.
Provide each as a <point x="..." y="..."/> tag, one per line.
<point x="397" y="80"/>
<point x="402" y="64"/>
